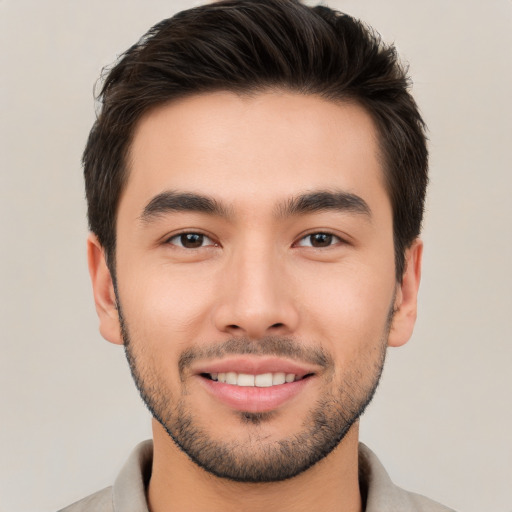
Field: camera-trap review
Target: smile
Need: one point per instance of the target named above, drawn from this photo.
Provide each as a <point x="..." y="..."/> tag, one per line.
<point x="259" y="385"/>
<point x="262" y="380"/>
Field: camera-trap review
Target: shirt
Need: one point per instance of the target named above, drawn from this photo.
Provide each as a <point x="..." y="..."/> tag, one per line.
<point x="128" y="494"/>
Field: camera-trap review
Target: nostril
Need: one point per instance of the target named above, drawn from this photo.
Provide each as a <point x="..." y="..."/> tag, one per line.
<point x="275" y="326"/>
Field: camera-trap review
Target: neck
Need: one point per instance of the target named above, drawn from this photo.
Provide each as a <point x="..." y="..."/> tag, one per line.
<point x="331" y="484"/>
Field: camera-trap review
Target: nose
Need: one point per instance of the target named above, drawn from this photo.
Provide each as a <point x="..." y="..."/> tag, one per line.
<point x="257" y="297"/>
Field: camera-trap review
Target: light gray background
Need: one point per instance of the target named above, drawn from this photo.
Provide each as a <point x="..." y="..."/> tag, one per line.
<point x="442" y="418"/>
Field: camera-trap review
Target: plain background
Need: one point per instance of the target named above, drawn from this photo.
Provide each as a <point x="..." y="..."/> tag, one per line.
<point x="442" y="419"/>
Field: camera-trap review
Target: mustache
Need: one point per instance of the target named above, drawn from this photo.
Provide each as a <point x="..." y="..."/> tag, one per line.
<point x="267" y="346"/>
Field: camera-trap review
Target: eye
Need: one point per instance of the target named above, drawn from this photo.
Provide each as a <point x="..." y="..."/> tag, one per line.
<point x="191" y="240"/>
<point x="319" y="240"/>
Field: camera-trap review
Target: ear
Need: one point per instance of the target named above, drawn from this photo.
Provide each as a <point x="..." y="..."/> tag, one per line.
<point x="406" y="300"/>
<point x="103" y="290"/>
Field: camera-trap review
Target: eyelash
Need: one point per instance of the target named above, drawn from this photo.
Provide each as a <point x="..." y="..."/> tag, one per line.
<point x="179" y="237"/>
<point x="332" y="238"/>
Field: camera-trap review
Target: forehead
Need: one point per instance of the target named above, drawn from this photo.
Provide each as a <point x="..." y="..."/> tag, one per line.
<point x="249" y="150"/>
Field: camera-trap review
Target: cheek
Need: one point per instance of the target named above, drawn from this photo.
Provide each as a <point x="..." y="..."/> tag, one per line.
<point x="348" y="305"/>
<point x="165" y="307"/>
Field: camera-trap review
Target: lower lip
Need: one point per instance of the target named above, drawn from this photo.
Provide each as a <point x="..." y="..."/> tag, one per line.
<point x="254" y="399"/>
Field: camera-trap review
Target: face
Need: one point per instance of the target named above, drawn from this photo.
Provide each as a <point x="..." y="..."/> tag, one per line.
<point x="255" y="277"/>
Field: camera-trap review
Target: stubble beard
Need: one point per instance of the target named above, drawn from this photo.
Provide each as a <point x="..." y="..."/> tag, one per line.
<point x="256" y="459"/>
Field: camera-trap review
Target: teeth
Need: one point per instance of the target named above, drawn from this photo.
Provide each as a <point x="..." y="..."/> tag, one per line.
<point x="279" y="378"/>
<point x="245" y="380"/>
<point x="263" y="380"/>
<point x="231" y="378"/>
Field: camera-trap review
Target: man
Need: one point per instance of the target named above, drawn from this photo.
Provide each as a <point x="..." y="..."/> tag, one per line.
<point x="255" y="184"/>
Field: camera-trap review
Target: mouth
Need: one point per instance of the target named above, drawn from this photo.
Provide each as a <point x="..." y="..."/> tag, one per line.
<point x="261" y="380"/>
<point x="253" y="384"/>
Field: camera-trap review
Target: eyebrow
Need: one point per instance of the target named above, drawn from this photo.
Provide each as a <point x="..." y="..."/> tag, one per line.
<point x="170" y="201"/>
<point x="324" y="200"/>
<point x="313" y="202"/>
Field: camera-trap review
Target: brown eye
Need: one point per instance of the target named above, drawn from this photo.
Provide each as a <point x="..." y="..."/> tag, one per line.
<point x="191" y="240"/>
<point x="319" y="240"/>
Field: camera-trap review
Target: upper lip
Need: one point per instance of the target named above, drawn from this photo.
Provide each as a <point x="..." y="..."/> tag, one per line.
<point x="255" y="366"/>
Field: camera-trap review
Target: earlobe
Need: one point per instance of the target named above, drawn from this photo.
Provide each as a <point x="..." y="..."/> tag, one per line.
<point x="103" y="290"/>
<point x="406" y="300"/>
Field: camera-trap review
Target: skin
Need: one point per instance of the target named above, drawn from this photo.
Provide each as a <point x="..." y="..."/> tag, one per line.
<point x="256" y="275"/>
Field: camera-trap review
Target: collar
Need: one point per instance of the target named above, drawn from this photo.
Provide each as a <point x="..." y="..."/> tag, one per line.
<point x="379" y="493"/>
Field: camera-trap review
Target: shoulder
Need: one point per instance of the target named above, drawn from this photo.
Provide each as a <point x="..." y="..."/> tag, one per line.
<point x="100" y="501"/>
<point x="419" y="503"/>
<point x="382" y="495"/>
<point x="128" y="491"/>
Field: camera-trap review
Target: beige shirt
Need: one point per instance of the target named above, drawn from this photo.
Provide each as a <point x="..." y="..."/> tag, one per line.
<point x="128" y="492"/>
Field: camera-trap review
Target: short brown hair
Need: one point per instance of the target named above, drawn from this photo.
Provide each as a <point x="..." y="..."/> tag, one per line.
<point x="250" y="45"/>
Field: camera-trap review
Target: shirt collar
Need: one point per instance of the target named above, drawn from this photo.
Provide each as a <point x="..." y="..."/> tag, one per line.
<point x="378" y="492"/>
